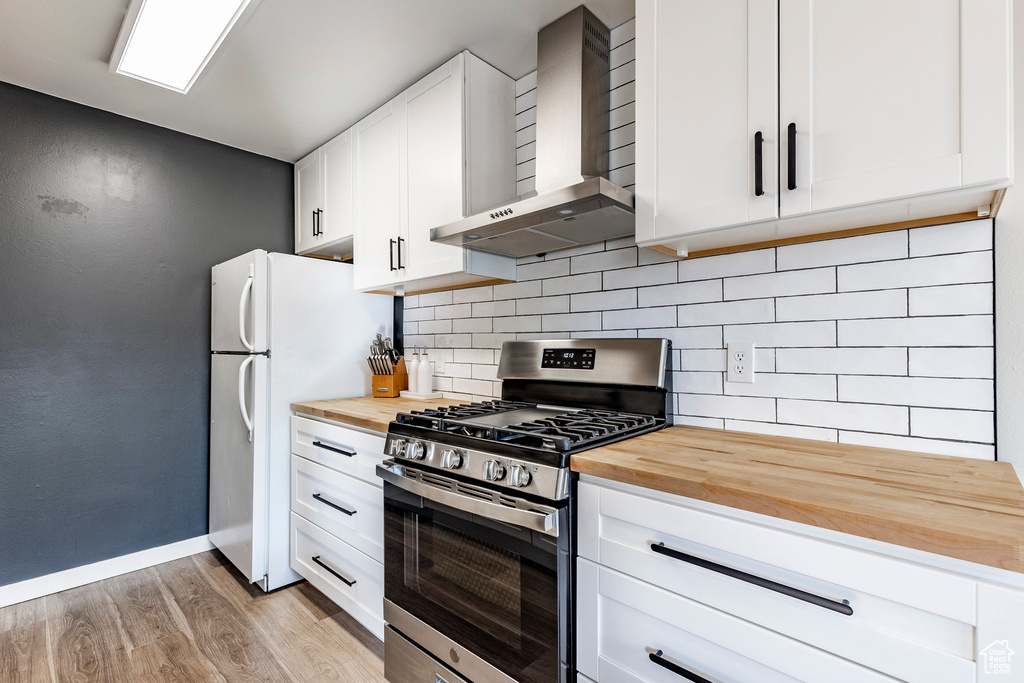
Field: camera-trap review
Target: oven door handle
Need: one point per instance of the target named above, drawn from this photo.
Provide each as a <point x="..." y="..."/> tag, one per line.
<point x="544" y="522"/>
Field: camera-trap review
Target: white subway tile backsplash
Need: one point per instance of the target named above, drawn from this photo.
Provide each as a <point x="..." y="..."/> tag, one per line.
<point x="521" y="323"/>
<point x="772" y="429"/>
<point x="917" y="272"/>
<point x="681" y="293"/>
<point x="885" y="303"/>
<point x="960" y="425"/>
<point x="737" y="407"/>
<point x="591" y="282"/>
<point x="494" y="308"/>
<point x="952" y="300"/>
<point x="912" y="319"/>
<point x="817" y="387"/>
<point x="472" y="325"/>
<point x="605" y="260"/>
<point x="842" y="361"/>
<point x="969" y="394"/>
<point x="727" y="265"/>
<point x="863" y="249"/>
<point x="752" y="311"/>
<point x="517" y="290"/>
<point x="697" y="382"/>
<point x="603" y="301"/>
<point x="816" y="281"/>
<point x="963" y="362"/>
<point x="572" y="322"/>
<point x="903" y="443"/>
<point x="641" y="276"/>
<point x="857" y="416"/>
<point x="966" y="330"/>
<point x="547" y="304"/>
<point x="639" y="317"/>
<point x="953" y="238"/>
<point x="788" y="335"/>
<point x="472" y="294"/>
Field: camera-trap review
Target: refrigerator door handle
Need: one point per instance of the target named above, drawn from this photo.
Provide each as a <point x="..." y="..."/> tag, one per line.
<point x="243" y="301"/>
<point x="241" y="393"/>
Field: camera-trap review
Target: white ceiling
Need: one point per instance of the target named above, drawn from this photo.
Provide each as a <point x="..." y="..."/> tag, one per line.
<point x="297" y="73"/>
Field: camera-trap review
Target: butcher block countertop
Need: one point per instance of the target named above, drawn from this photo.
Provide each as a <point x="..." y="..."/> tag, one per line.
<point x="366" y="412"/>
<point x="963" y="508"/>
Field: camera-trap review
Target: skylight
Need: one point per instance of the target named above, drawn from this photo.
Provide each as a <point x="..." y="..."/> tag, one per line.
<point x="169" y="42"/>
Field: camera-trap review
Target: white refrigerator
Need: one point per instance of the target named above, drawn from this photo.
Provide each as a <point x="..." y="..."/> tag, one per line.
<point x="283" y="329"/>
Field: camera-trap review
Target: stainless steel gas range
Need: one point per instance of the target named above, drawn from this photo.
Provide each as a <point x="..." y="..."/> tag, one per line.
<point x="478" y="510"/>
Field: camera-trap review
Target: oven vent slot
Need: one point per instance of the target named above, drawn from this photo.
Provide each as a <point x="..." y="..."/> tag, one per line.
<point x="506" y="501"/>
<point x="472" y="491"/>
<point x="435" y="481"/>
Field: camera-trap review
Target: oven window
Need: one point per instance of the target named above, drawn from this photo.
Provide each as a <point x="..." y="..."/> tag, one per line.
<point x="488" y="586"/>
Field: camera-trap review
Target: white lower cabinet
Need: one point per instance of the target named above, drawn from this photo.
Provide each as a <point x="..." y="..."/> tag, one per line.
<point x="337" y="516"/>
<point x="734" y="600"/>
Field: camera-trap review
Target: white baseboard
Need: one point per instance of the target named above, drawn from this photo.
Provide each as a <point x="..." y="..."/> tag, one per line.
<point x="79" y="576"/>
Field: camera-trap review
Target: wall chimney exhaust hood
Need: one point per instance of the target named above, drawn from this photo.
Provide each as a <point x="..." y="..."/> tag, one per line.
<point x="575" y="204"/>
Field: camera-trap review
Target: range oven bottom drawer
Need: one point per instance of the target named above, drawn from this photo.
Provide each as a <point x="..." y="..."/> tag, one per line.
<point x="406" y="663"/>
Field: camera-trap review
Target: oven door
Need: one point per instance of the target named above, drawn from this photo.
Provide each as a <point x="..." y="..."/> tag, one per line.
<point x="478" y="579"/>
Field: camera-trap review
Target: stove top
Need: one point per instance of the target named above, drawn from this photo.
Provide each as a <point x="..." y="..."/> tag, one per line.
<point x="532" y="426"/>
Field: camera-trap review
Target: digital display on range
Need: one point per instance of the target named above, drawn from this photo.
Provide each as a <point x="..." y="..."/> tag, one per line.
<point x="574" y="359"/>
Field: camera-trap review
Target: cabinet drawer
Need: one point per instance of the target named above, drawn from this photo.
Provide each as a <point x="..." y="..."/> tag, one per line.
<point x="911" y="622"/>
<point x="623" y="625"/>
<point x="355" y="453"/>
<point x="323" y="560"/>
<point x="347" y="507"/>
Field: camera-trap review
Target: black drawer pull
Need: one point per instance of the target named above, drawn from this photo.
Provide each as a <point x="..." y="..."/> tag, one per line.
<point x="347" y="582"/>
<point x="342" y="451"/>
<point x="391" y="254"/>
<point x="400" y="266"/>
<point x="841" y="607"/>
<point x="758" y="164"/>
<point x="659" y="659"/>
<point x="334" y="505"/>
<point x="792" y="156"/>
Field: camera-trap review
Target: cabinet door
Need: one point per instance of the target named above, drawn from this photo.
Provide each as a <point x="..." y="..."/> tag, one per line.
<point x="308" y="188"/>
<point x="378" y="225"/>
<point x="706" y="79"/>
<point x="337" y="218"/>
<point x="890" y="99"/>
<point x="433" y="135"/>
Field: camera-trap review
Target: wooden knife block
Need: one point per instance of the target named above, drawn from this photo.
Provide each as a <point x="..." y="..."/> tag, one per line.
<point x="389" y="386"/>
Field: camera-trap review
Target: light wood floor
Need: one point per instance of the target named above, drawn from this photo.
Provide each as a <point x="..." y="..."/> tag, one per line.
<point x="194" y="619"/>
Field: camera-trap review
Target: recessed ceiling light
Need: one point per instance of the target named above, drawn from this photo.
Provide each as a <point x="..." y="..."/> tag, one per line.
<point x="567" y="212"/>
<point x="169" y="42"/>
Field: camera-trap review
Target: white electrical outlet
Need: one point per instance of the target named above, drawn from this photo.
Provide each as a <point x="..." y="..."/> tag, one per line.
<point x="740" y="363"/>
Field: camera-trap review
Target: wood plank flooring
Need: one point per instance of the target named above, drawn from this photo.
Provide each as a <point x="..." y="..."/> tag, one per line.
<point x="191" y="620"/>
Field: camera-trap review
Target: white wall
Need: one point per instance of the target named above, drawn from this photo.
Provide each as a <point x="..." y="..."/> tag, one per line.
<point x="1009" y="251"/>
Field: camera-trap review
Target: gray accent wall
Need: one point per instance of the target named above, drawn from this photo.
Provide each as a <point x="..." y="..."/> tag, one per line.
<point x="108" y="230"/>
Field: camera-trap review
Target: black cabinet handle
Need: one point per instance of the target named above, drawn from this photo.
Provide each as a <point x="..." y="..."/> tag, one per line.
<point x="400" y="266"/>
<point x="319" y="222"/>
<point x="792" y="156"/>
<point x="659" y="659"/>
<point x="391" y="254"/>
<point x="334" y="505"/>
<point x="347" y="582"/>
<point x="314" y="222"/>
<point x="342" y="451"/>
<point x="841" y="607"/>
<point x="758" y="165"/>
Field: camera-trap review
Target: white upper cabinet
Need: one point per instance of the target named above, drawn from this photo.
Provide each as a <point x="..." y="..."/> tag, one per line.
<point x="324" y="208"/>
<point x="707" y="167"/>
<point x="887" y="110"/>
<point x="441" y="150"/>
<point x="379" y="218"/>
<point x="308" y="190"/>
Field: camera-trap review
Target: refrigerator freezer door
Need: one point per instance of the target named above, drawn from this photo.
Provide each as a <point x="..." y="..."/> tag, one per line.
<point x="238" y="466"/>
<point x="238" y="320"/>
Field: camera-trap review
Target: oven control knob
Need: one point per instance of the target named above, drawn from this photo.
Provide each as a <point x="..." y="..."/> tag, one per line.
<point x="518" y="476"/>
<point x="450" y="459"/>
<point x="396" y="447"/>
<point x="493" y="471"/>
<point x="415" y="450"/>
